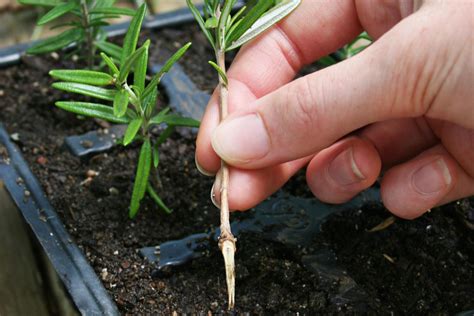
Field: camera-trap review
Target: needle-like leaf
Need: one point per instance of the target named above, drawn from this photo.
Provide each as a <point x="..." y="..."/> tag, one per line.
<point x="113" y="11"/>
<point x="100" y="111"/>
<point x="57" y="12"/>
<point x="141" y="178"/>
<point x="271" y="17"/>
<point x="220" y="72"/>
<point x="131" y="38"/>
<point x="94" y="78"/>
<point x="110" y="49"/>
<point x="120" y="103"/>
<point x="54" y="43"/>
<point x="175" y="120"/>
<point x="42" y="3"/>
<point x="141" y="67"/>
<point x="157" y="77"/>
<point x="239" y="27"/>
<point x="84" y="89"/>
<point x="200" y="20"/>
<point x="113" y="69"/>
<point x="223" y="20"/>
<point x="130" y="62"/>
<point x="157" y="199"/>
<point x="132" y="130"/>
<point x="156" y="156"/>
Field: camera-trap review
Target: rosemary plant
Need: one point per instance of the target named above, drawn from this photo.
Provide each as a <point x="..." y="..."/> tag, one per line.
<point x="87" y="17"/>
<point x="132" y="104"/>
<point x="225" y="32"/>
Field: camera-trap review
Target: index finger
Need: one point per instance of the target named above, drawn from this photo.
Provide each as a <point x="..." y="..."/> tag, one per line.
<point x="313" y="30"/>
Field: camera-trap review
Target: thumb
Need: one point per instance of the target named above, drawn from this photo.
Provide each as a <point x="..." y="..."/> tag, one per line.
<point x="400" y="75"/>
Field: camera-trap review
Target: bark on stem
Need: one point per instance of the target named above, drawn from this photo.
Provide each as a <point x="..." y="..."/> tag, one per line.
<point x="226" y="239"/>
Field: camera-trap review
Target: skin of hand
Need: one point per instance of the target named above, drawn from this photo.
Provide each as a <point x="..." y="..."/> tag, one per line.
<point x="403" y="109"/>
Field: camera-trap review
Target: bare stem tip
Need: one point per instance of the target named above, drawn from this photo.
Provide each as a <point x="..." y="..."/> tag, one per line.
<point x="228" y="250"/>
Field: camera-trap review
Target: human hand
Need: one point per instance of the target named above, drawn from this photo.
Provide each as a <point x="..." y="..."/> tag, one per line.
<point x="404" y="105"/>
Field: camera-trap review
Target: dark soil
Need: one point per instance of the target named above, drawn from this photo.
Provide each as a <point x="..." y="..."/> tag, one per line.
<point x="425" y="266"/>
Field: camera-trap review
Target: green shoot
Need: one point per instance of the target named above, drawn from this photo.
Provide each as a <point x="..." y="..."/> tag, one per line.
<point x="85" y="20"/>
<point x="225" y="32"/>
<point x="133" y="104"/>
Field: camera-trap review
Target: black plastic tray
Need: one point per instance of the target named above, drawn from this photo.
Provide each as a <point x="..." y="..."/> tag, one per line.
<point x="85" y="289"/>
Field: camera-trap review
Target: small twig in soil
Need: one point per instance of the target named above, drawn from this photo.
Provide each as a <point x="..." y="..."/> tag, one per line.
<point x="383" y="225"/>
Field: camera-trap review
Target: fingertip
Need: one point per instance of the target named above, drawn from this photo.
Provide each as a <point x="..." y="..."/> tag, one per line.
<point x="201" y="169"/>
<point x="338" y="173"/>
<point x="409" y="190"/>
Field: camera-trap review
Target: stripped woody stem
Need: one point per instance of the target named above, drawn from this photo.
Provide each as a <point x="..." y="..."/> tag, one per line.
<point x="226" y="239"/>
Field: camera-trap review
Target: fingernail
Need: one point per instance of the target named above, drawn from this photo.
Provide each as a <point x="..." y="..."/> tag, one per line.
<point x="201" y="169"/>
<point x="213" y="196"/>
<point x="432" y="177"/>
<point x="216" y="188"/>
<point x="241" y="139"/>
<point x="344" y="170"/>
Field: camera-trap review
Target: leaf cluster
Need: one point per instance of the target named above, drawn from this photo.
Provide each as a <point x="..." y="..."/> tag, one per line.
<point x="84" y="24"/>
<point x="227" y="31"/>
<point x="132" y="100"/>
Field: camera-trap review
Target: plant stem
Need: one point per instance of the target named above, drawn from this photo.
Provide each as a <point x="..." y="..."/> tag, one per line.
<point x="226" y="239"/>
<point x="89" y="36"/>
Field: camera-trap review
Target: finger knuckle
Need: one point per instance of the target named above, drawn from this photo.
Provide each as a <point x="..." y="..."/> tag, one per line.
<point x="304" y="104"/>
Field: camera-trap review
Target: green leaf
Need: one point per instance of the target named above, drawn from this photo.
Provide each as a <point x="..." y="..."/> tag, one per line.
<point x="104" y="3"/>
<point x="357" y="50"/>
<point x="98" y="24"/>
<point x="113" y="69"/>
<point x="165" y="134"/>
<point x="132" y="130"/>
<point x="221" y="72"/>
<point x="156" y="156"/>
<point x="110" y="49"/>
<point x="240" y="12"/>
<point x="327" y="61"/>
<point x="157" y="77"/>
<point x="139" y="75"/>
<point x="241" y="26"/>
<point x="202" y="24"/>
<point x="157" y="199"/>
<point x="267" y="20"/>
<point x="149" y="103"/>
<point x="113" y="11"/>
<point x="141" y="178"/>
<point x="100" y="111"/>
<point x="56" y="42"/>
<point x="121" y="103"/>
<point x="164" y="111"/>
<point x="57" y="12"/>
<point x="130" y="61"/>
<point x="175" y="120"/>
<point x="131" y="38"/>
<point x="42" y="3"/>
<point x="84" y="89"/>
<point x="223" y="20"/>
<point x="75" y="24"/>
<point x="211" y="23"/>
<point x="94" y="78"/>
